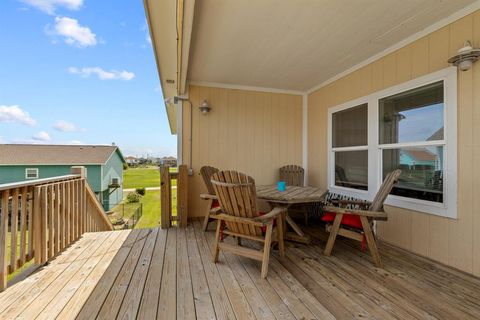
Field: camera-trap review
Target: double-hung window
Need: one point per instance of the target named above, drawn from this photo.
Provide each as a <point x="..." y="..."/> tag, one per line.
<point x="411" y="127"/>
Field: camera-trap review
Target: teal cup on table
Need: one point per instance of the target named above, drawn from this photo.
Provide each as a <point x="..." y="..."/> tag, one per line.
<point x="281" y="186"/>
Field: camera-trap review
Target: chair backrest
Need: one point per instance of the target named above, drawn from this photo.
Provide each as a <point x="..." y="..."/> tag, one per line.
<point x="385" y="188"/>
<point x="293" y="175"/>
<point x="236" y="194"/>
<point x="207" y="172"/>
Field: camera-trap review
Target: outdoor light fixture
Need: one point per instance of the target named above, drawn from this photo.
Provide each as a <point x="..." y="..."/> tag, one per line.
<point x="204" y="107"/>
<point x="466" y="57"/>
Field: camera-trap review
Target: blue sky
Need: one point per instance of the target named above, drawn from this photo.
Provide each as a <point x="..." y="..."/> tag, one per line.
<point x="80" y="71"/>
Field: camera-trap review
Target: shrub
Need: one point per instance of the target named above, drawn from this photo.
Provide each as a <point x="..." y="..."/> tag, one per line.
<point x="125" y="166"/>
<point x="133" y="197"/>
<point x="140" y="191"/>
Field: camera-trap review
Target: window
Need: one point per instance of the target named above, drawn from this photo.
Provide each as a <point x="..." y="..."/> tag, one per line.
<point x="411" y="127"/>
<point x="31" y="173"/>
<point x="350" y="145"/>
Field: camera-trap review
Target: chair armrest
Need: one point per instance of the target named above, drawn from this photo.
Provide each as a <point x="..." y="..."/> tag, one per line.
<point x="229" y="218"/>
<point x="369" y="214"/>
<point x="216" y="210"/>
<point x="206" y="196"/>
<point x="271" y="215"/>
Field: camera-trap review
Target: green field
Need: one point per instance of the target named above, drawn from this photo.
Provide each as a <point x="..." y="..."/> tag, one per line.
<point x="141" y="177"/>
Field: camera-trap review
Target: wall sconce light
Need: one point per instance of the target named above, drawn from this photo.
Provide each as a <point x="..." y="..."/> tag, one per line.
<point x="204" y="107"/>
<point x="466" y="57"/>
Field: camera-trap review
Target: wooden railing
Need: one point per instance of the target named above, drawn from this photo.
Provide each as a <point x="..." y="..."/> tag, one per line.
<point x="40" y="218"/>
<point x="181" y="191"/>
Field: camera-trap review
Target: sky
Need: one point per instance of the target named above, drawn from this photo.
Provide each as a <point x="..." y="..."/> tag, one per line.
<point x="80" y="72"/>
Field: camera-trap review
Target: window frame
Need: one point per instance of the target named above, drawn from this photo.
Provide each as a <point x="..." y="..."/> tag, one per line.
<point x="33" y="169"/>
<point x="375" y="150"/>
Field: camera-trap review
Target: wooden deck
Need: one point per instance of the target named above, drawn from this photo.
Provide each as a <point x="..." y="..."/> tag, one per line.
<point x="168" y="274"/>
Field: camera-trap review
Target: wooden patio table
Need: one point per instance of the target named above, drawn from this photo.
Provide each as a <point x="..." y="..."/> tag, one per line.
<point x="292" y="195"/>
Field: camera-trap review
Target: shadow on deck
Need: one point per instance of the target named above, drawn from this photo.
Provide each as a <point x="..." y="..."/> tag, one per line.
<point x="168" y="274"/>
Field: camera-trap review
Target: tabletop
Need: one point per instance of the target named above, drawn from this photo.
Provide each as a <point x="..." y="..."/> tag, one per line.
<point x="291" y="195"/>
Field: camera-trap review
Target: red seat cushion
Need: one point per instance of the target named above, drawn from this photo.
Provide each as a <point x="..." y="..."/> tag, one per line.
<point x="215" y="204"/>
<point x="349" y="220"/>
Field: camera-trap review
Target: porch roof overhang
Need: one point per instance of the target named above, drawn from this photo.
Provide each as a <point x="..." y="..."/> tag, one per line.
<point x="293" y="46"/>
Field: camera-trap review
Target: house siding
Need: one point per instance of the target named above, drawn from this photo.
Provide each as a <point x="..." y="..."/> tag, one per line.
<point x="455" y="242"/>
<point x="252" y="132"/>
<point x="112" y="169"/>
<point x="15" y="173"/>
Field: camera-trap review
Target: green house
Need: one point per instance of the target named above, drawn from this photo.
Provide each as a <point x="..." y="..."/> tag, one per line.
<point x="104" y="166"/>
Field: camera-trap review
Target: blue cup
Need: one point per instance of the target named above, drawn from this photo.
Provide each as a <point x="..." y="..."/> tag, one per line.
<point x="281" y="186"/>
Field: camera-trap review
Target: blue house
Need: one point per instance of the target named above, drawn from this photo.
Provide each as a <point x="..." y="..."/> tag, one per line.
<point x="104" y="166"/>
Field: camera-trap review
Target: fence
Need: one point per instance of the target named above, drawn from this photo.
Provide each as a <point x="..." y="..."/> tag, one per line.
<point x="125" y="215"/>
<point x="39" y="218"/>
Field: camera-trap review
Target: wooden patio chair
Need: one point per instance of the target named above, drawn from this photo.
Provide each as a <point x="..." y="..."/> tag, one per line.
<point x="240" y="218"/>
<point x="357" y="223"/>
<point x="210" y="197"/>
<point x="293" y="175"/>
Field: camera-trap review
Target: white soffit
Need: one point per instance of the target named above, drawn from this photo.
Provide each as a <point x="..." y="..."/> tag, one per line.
<point x="298" y="44"/>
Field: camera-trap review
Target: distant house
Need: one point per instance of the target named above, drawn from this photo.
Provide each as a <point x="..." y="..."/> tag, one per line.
<point x="104" y="166"/>
<point x="168" y="161"/>
<point x="131" y="160"/>
<point x="415" y="157"/>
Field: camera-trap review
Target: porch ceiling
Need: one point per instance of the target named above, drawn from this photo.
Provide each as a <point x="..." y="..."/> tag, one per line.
<point x="298" y="44"/>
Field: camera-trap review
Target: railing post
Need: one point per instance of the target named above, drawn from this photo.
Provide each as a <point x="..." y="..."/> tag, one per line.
<point x="182" y="195"/>
<point x="3" y="240"/>
<point x="165" y="197"/>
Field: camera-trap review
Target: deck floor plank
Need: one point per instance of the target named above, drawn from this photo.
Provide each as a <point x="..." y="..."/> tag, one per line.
<point x="113" y="302"/>
<point x="74" y="305"/>
<point x="167" y="304"/>
<point x="201" y="292"/>
<point x="95" y="301"/>
<point x="151" y="292"/>
<point x="64" y="287"/>
<point x="80" y="252"/>
<point x="131" y="302"/>
<point x="169" y="274"/>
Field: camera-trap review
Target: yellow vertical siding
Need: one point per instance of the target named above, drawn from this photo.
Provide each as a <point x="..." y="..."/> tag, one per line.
<point x="455" y="242"/>
<point x="253" y="132"/>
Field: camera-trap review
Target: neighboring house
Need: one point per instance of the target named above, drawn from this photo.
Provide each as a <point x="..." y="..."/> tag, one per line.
<point x="412" y="157"/>
<point x="131" y="160"/>
<point x="168" y="161"/>
<point x="103" y="165"/>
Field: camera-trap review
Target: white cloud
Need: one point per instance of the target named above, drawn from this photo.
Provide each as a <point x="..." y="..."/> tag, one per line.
<point x="76" y="142"/>
<point x="49" y="6"/>
<point x="65" y="126"/>
<point x="41" y="136"/>
<point x="15" y="114"/>
<point x="73" y="33"/>
<point x="102" y="74"/>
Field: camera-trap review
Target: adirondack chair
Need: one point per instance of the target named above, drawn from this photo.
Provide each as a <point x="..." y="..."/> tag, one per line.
<point x="240" y="218"/>
<point x="357" y="223"/>
<point x="293" y="175"/>
<point x="210" y="197"/>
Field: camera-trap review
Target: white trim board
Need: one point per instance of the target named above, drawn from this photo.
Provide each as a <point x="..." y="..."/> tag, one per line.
<point x="428" y="30"/>
<point x="243" y="87"/>
<point x="305" y="136"/>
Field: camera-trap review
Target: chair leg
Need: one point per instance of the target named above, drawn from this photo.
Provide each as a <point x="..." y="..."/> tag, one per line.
<point x="372" y="244"/>
<point x="216" y="248"/>
<point x="266" y="250"/>
<point x="280" y="234"/>
<point x="206" y="220"/>
<point x="333" y="234"/>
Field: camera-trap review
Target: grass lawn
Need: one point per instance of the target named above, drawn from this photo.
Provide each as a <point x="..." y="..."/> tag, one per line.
<point x="143" y="177"/>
